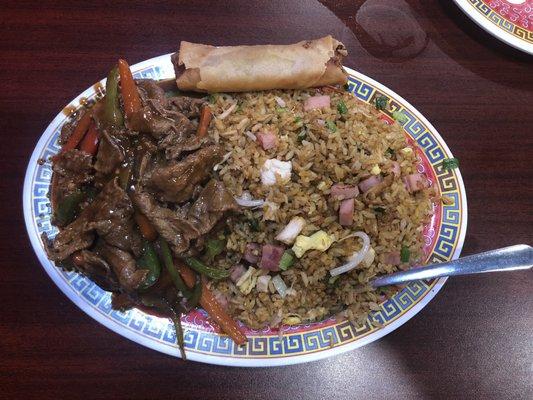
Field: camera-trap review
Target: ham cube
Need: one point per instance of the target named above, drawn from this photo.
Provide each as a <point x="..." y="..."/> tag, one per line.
<point x="415" y="182"/>
<point x="346" y="212"/>
<point x="317" y="102"/>
<point x="267" y="140"/>
<point x="340" y="191"/>
<point x="271" y="256"/>
<point x="369" y="183"/>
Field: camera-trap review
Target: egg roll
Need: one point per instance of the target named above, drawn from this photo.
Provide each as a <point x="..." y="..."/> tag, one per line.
<point x="310" y="63"/>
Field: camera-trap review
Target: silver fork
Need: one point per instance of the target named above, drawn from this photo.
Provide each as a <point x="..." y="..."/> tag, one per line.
<point x="512" y="258"/>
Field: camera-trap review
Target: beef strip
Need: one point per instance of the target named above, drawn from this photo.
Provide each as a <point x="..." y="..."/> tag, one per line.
<point x="98" y="270"/>
<point x="174" y="132"/>
<point x="149" y="89"/>
<point x="154" y="117"/>
<point x="187" y="223"/>
<point x="167" y="119"/>
<point x="208" y="209"/>
<point x="150" y="121"/>
<point x="123" y="265"/>
<point x="144" y="153"/>
<point x="72" y="169"/>
<point x="188" y="106"/>
<point x="110" y="155"/>
<point x="112" y="218"/>
<point x="180" y="140"/>
<point x="176" y="182"/>
<point x="75" y="236"/>
<point x="110" y="214"/>
<point x="171" y="225"/>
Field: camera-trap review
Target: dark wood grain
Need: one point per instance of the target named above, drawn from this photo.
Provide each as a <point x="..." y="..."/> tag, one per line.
<point x="472" y="341"/>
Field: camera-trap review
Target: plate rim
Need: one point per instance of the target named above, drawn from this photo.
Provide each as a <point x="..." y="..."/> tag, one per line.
<point x="483" y="22"/>
<point x="218" y="359"/>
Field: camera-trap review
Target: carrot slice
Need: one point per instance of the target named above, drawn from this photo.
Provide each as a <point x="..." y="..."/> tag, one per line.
<point x="89" y="144"/>
<point x="213" y="307"/>
<point x="205" y="119"/>
<point x="130" y="95"/>
<point x="145" y="226"/>
<point x="79" y="132"/>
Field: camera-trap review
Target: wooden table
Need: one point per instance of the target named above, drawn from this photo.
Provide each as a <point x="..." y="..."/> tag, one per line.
<point x="473" y="341"/>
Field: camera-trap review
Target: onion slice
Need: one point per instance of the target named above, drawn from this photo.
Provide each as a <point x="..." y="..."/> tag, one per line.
<point x="280" y="101"/>
<point x="228" y="111"/>
<point x="246" y="200"/>
<point x="250" y="135"/>
<point x="224" y="159"/>
<point x="280" y="285"/>
<point x="356" y="258"/>
<point x="291" y="230"/>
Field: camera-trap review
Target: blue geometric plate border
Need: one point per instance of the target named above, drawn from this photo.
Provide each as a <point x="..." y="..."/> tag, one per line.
<point x="300" y="344"/>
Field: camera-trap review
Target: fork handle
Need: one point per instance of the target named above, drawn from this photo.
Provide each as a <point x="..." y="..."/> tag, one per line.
<point x="512" y="258"/>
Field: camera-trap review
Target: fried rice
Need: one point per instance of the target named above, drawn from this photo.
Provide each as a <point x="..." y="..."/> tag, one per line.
<point x="325" y="146"/>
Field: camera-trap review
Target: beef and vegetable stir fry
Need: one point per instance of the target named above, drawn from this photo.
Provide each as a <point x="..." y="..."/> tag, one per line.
<point x="136" y="202"/>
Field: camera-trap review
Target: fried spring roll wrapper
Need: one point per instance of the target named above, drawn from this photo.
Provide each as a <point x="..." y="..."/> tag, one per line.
<point x="310" y="63"/>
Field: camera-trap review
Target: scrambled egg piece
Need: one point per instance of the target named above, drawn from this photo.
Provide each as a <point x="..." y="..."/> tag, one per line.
<point x="319" y="240"/>
<point x="248" y="281"/>
<point x="271" y="168"/>
<point x="375" y="170"/>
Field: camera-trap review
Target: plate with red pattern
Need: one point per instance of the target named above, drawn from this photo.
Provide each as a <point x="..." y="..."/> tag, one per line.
<point x="511" y="21"/>
<point x="204" y="342"/>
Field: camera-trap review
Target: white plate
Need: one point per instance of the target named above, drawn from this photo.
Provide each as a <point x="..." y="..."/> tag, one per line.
<point x="444" y="240"/>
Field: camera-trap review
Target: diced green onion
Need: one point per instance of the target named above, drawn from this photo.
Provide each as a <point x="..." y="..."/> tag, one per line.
<point x="331" y="126"/>
<point x="213" y="98"/>
<point x="389" y="151"/>
<point x="214" y="247"/>
<point x="405" y="254"/>
<point x="450" y="163"/>
<point x="333" y="280"/>
<point x="301" y="136"/>
<point x="298" y="119"/>
<point x="254" y="224"/>
<point x="400" y="117"/>
<point x="381" y="102"/>
<point x="379" y="210"/>
<point x="280" y="110"/>
<point x="287" y="260"/>
<point x="341" y="107"/>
